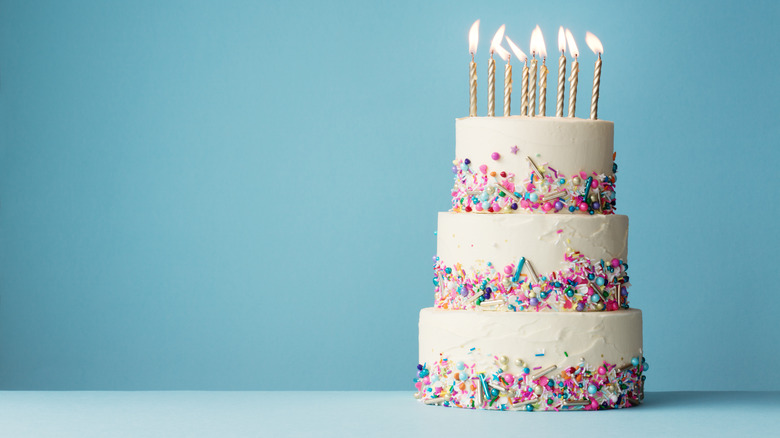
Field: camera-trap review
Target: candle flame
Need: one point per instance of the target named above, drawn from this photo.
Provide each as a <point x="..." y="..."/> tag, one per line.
<point x="573" y="50"/>
<point x="516" y="50"/>
<point x="473" y="38"/>
<point x="594" y="43"/>
<point x="561" y="40"/>
<point x="537" y="43"/>
<point x="497" y="38"/>
<point x="503" y="53"/>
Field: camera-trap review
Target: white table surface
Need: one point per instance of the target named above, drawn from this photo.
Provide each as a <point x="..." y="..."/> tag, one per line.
<point x="369" y="414"/>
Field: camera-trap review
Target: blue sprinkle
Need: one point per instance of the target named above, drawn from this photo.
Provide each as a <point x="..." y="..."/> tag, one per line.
<point x="520" y="265"/>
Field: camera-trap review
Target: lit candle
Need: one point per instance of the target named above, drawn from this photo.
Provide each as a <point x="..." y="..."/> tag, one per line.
<point x="495" y="46"/>
<point x="575" y="71"/>
<point x="507" y="85"/>
<point x="532" y="76"/>
<point x="537" y="45"/>
<point x="524" y="107"/>
<point x="491" y="86"/>
<point x="543" y="89"/>
<point x="473" y="39"/>
<point x="561" y="72"/>
<point x="595" y="45"/>
<point x="524" y="86"/>
<point x="542" y="77"/>
<point x="532" y="86"/>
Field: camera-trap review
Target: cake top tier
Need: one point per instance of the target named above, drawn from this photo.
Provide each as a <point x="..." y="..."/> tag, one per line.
<point x="534" y="164"/>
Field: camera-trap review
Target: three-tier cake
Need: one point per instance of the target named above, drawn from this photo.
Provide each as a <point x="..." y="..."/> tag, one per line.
<point x="531" y="286"/>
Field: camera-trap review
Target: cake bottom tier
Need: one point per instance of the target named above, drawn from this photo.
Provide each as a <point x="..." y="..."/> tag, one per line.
<point x="531" y="360"/>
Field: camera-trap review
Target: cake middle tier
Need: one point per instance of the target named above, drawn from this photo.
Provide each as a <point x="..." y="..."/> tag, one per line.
<point x="531" y="262"/>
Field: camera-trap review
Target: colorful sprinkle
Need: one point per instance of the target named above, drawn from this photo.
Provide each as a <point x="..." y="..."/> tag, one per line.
<point x="581" y="387"/>
<point x="567" y="290"/>
<point x="543" y="192"/>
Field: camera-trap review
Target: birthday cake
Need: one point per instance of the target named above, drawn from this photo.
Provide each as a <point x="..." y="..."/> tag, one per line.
<point x="531" y="286"/>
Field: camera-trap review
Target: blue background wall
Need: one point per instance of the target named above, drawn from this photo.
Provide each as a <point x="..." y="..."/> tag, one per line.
<point x="243" y="195"/>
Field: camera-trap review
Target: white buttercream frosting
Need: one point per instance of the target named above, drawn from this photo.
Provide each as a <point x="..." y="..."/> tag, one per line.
<point x="570" y="145"/>
<point x="564" y="339"/>
<point x="473" y="240"/>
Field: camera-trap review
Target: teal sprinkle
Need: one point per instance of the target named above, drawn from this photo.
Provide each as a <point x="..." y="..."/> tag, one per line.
<point x="520" y="265"/>
<point x="587" y="189"/>
<point x="484" y="386"/>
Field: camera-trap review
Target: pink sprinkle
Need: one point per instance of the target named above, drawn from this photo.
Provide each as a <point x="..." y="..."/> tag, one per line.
<point x="483" y="168"/>
<point x="495" y="155"/>
<point x="560" y="231"/>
